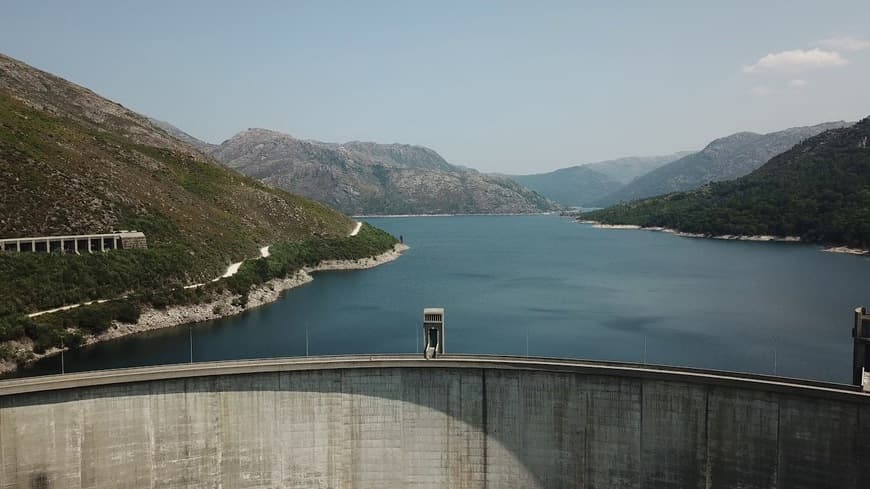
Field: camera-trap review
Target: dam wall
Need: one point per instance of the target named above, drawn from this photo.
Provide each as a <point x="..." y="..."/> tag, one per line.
<point x="456" y="422"/>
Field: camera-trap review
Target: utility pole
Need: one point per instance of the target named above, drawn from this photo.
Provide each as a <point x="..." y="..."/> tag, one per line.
<point x="62" y="367"/>
<point x="527" y="342"/>
<point x="774" y="361"/>
<point x="190" y="330"/>
<point x="644" y="349"/>
<point x="306" y="339"/>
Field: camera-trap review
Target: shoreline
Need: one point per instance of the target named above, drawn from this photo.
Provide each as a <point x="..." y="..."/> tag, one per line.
<point x="763" y="238"/>
<point x="846" y="250"/>
<point x="224" y="306"/>
<point x="375" y="216"/>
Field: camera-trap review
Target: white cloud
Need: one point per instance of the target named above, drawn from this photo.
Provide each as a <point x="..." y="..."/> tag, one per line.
<point x="797" y="60"/>
<point x="760" y="90"/>
<point x="848" y="44"/>
<point x="792" y="87"/>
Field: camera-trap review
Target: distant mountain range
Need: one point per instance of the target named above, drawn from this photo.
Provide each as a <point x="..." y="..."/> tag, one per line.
<point x="818" y="190"/>
<point x="723" y="159"/>
<point x="609" y="182"/>
<point x="584" y="185"/>
<point x="371" y="178"/>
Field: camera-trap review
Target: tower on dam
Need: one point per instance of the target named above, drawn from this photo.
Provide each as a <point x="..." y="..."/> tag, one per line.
<point x="860" y="351"/>
<point x="433" y="332"/>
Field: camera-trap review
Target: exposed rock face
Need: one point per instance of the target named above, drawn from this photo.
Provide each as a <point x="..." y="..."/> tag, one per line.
<point x="724" y="159"/>
<point x="370" y="178"/>
<point x="583" y="185"/>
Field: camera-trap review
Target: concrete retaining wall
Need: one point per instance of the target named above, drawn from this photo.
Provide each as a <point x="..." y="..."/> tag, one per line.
<point x="386" y="422"/>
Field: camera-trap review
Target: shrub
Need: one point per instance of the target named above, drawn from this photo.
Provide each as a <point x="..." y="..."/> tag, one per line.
<point x="13" y="327"/>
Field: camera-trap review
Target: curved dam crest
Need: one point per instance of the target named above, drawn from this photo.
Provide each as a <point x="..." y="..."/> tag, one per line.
<point x="401" y="421"/>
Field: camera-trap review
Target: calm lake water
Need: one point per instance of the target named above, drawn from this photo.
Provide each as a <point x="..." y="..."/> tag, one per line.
<point x="572" y="290"/>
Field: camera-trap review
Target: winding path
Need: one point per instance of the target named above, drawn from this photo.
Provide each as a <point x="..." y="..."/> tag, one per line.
<point x="66" y="308"/>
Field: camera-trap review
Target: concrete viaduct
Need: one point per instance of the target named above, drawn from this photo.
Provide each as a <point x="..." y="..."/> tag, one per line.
<point x="76" y="243"/>
<point x="454" y="422"/>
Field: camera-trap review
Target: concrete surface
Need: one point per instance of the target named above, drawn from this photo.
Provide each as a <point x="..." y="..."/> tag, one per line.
<point x="455" y="422"/>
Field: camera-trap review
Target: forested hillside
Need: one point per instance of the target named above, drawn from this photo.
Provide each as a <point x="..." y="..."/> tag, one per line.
<point x="724" y="159"/>
<point x="819" y="190"/>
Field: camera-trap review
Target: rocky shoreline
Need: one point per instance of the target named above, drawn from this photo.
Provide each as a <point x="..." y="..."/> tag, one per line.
<point x="727" y="237"/>
<point x="477" y="214"/>
<point x="224" y="306"/>
<point x="847" y="250"/>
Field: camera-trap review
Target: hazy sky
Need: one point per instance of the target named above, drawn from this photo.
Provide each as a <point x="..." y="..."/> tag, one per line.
<point x="500" y="86"/>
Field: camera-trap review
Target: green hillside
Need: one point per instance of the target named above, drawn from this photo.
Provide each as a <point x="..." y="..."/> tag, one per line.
<point x="724" y="159"/>
<point x="819" y="190"/>
<point x="72" y="162"/>
<point x="59" y="177"/>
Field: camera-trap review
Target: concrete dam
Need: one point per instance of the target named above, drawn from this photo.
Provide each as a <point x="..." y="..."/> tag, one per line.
<point x="453" y="422"/>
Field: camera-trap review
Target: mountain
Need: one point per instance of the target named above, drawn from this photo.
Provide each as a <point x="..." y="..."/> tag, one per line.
<point x="73" y="162"/>
<point x="723" y="159"/>
<point x="582" y="185"/>
<point x="371" y="178"/>
<point x="819" y="190"/>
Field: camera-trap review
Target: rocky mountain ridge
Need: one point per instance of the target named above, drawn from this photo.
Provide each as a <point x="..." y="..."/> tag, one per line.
<point x="372" y="178"/>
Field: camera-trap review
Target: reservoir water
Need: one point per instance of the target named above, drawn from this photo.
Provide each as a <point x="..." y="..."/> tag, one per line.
<point x="546" y="286"/>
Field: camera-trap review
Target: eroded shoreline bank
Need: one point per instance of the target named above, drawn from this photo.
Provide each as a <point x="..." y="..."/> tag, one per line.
<point x="225" y="305"/>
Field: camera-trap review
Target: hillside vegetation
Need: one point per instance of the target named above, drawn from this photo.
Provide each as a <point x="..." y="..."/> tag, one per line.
<point x="71" y="328"/>
<point x="724" y="159"/>
<point x="71" y="162"/>
<point x="819" y="190"/>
